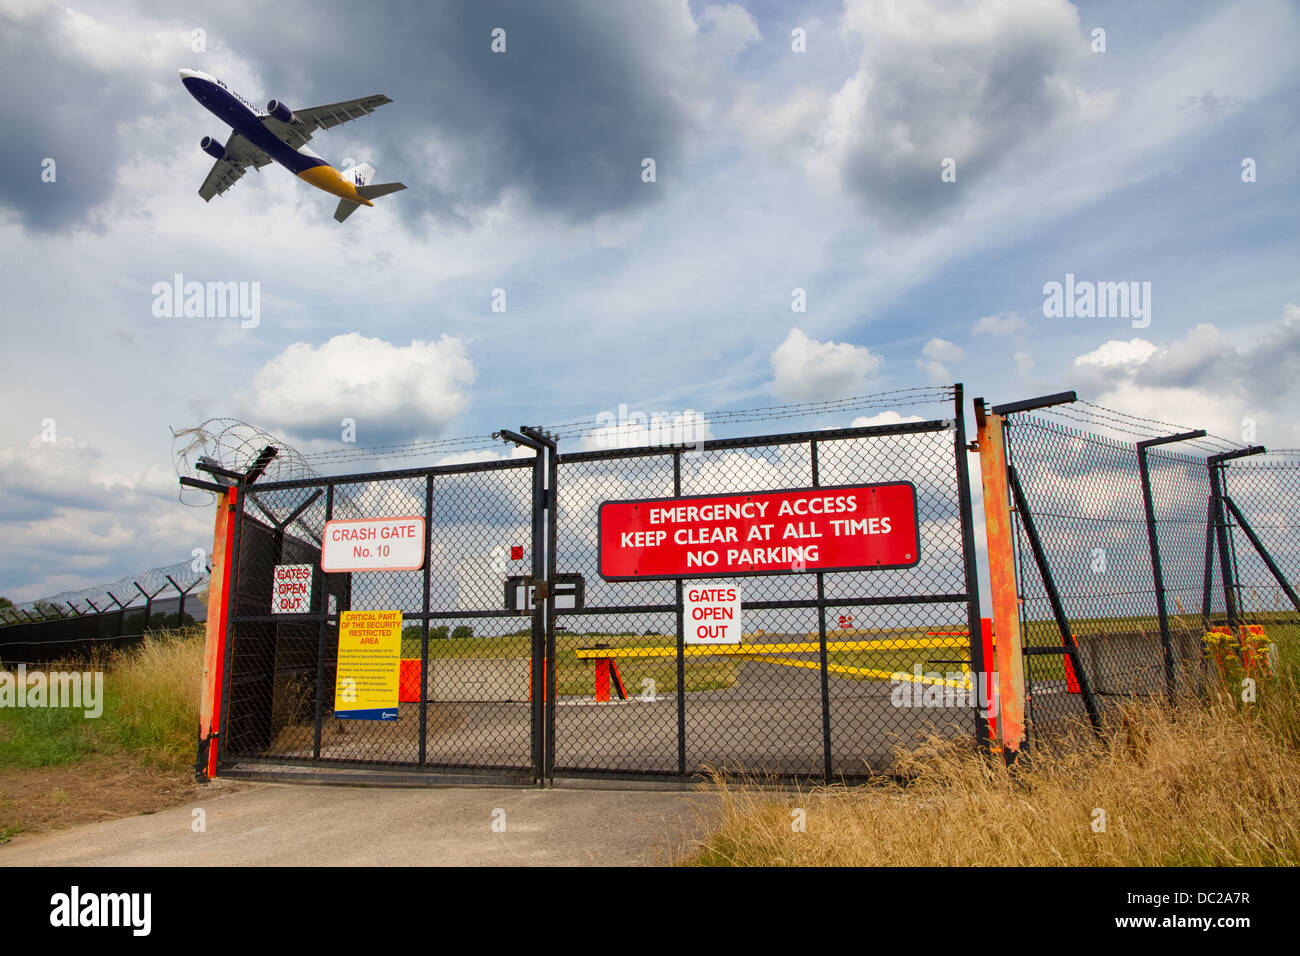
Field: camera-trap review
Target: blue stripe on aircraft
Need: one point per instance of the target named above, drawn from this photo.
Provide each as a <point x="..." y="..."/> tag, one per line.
<point x="247" y="124"/>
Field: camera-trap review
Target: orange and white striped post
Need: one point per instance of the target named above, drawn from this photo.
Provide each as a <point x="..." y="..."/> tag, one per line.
<point x="214" y="652"/>
<point x="1007" y="649"/>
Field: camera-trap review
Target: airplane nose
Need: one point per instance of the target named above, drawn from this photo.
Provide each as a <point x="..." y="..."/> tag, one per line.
<point x="187" y="74"/>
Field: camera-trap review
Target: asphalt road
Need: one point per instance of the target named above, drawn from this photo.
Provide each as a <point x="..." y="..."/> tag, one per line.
<point x="305" y="825"/>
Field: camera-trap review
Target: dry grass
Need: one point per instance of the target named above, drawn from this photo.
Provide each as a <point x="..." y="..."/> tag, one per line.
<point x="1207" y="785"/>
<point x="153" y="695"/>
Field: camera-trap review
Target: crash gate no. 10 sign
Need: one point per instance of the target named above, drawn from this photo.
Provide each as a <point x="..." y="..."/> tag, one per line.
<point x="373" y="544"/>
<point x="841" y="528"/>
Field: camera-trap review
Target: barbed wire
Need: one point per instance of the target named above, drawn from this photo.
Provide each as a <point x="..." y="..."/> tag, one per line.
<point x="167" y="581"/>
<point x="895" y="398"/>
<point x="234" y="444"/>
<point x="1104" y="418"/>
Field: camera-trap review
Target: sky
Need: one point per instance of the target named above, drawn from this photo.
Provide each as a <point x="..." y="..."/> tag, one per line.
<point x="844" y="198"/>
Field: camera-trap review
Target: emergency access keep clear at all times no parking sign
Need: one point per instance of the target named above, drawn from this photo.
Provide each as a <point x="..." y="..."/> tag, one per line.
<point x="849" y="527"/>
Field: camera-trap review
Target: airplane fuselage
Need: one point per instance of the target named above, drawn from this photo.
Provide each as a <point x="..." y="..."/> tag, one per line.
<point x="241" y="116"/>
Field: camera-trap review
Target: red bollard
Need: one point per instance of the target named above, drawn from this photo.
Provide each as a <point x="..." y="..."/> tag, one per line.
<point x="602" y="679"/>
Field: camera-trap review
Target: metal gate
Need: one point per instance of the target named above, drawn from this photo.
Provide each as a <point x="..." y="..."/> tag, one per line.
<point x="468" y="701"/>
<point x="521" y="662"/>
<point x="836" y="669"/>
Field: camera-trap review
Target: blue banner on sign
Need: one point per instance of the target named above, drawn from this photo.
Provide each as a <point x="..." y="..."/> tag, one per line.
<point x="383" y="713"/>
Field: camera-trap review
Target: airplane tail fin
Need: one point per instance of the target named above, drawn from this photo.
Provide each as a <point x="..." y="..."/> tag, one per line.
<point x="379" y="189"/>
<point x="360" y="176"/>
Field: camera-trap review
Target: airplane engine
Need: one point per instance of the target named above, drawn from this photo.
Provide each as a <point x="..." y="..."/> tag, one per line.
<point x="212" y="148"/>
<point x="280" y="111"/>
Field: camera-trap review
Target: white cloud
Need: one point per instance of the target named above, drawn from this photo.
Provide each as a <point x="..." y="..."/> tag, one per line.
<point x="807" y="370"/>
<point x="883" y="418"/>
<point x="415" y="389"/>
<point x="941" y="353"/>
<point x="70" y="512"/>
<point x="1208" y="379"/>
<point x="1024" y="363"/>
<point x="1117" y="353"/>
<point x="727" y="30"/>
<point x="970" y="81"/>
<point x="1003" y="323"/>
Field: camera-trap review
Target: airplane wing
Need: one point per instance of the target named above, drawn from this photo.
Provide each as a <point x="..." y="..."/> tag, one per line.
<point x="307" y="121"/>
<point x="240" y="154"/>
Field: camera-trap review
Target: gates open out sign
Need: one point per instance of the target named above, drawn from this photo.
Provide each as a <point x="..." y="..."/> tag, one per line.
<point x="712" y="615"/>
<point x="291" y="589"/>
<point x="844" y="528"/>
<point x="373" y="544"/>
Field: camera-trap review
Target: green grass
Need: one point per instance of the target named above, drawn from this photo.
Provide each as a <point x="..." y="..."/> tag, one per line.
<point x="46" y="737"/>
<point x="150" y="709"/>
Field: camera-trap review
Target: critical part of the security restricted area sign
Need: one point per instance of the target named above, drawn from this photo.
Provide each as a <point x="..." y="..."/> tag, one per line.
<point x="369" y="665"/>
<point x="373" y="544"/>
<point x="291" y="589"/>
<point x="712" y="613"/>
<point x="844" y="528"/>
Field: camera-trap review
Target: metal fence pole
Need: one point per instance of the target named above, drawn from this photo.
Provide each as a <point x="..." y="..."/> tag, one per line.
<point x="424" y="638"/>
<point x="1153" y="540"/>
<point x="681" y="640"/>
<point x="821" y="637"/>
<point x="1215" y="464"/>
<point x="322" y="609"/>
<point x="970" y="572"/>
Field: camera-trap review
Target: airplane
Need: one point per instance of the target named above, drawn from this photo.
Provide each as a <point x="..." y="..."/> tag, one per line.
<point x="280" y="135"/>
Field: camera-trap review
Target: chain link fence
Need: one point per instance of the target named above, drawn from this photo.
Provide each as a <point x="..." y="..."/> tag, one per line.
<point x="1265" y="490"/>
<point x="73" y="625"/>
<point x="466" y="658"/>
<point x="815" y="689"/>
<point x="594" y="675"/>
<point x="1119" y="548"/>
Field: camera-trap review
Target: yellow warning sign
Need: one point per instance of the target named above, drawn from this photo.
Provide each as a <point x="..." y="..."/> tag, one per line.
<point x="370" y="658"/>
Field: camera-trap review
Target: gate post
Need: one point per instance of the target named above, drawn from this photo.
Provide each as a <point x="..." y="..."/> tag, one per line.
<point x="550" y="503"/>
<point x="1002" y="579"/>
<point x="541" y="670"/>
<point x="985" y="721"/>
<point x="214" y="651"/>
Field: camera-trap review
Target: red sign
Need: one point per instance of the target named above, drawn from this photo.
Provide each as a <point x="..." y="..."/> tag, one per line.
<point x="845" y="528"/>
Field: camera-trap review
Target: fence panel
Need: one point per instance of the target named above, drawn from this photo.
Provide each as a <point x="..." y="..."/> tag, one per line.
<point x="1085" y="500"/>
<point x="1266" y="490"/>
<point x="813" y="689"/>
<point x="468" y="658"/>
